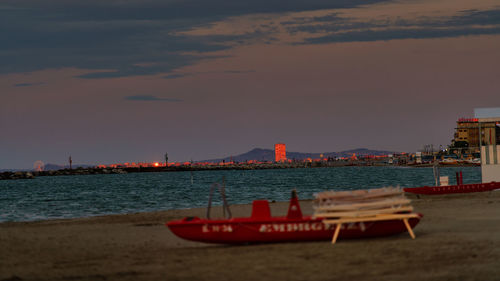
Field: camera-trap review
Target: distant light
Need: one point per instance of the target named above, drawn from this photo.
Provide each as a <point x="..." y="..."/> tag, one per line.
<point x="157" y="164"/>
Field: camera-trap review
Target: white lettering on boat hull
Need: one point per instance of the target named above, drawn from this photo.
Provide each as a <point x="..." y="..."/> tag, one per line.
<point x="283" y="227"/>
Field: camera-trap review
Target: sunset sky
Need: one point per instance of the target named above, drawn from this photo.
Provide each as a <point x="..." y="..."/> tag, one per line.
<point x="126" y="81"/>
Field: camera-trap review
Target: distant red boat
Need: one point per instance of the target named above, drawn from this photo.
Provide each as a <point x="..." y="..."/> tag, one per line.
<point x="449" y="189"/>
<point x="261" y="227"/>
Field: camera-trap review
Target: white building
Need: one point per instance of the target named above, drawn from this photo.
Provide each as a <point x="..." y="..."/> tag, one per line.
<point x="489" y="140"/>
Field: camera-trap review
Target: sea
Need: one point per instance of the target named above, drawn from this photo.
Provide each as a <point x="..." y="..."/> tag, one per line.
<point x="60" y="197"/>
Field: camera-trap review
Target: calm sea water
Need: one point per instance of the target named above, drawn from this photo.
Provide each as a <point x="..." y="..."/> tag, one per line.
<point x="91" y="195"/>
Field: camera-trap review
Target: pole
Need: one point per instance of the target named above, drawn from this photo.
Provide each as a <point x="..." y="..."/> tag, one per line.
<point x="436" y="173"/>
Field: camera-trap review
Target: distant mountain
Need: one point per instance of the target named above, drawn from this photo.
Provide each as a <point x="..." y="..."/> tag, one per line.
<point x="261" y="154"/>
<point x="50" y="167"/>
<point x="11" y="170"/>
<point x="254" y="154"/>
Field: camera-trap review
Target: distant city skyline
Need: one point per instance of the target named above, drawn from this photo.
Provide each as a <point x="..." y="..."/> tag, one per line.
<point x="112" y="81"/>
<point x="254" y="156"/>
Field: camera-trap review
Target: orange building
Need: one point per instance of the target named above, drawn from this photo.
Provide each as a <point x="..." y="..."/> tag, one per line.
<point x="280" y="152"/>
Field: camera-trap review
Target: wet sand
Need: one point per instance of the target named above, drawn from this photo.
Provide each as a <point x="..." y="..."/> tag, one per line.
<point x="457" y="239"/>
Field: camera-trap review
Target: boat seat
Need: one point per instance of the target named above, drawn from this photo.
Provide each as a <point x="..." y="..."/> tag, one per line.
<point x="260" y="209"/>
<point x="294" y="211"/>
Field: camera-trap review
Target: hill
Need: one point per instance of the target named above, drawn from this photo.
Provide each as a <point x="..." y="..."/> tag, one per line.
<point x="261" y="154"/>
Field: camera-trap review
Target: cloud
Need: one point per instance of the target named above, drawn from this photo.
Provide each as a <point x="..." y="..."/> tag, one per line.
<point x="315" y="19"/>
<point x="150" y="98"/>
<point x="28" y="84"/>
<point x="335" y="29"/>
<point x="393" y="34"/>
<point x="147" y="37"/>
<point x="475" y="17"/>
<point x="124" y="38"/>
<point x="239" y="71"/>
<point x="176" y="75"/>
<point x="180" y="75"/>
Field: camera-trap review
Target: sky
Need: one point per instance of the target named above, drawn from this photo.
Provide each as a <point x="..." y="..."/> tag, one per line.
<point x="127" y="81"/>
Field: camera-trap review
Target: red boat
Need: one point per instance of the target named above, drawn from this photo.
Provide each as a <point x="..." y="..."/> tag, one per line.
<point x="261" y="227"/>
<point x="449" y="189"/>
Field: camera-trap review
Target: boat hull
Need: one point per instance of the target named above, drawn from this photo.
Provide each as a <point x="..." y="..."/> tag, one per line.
<point x="279" y="229"/>
<point x="450" y="189"/>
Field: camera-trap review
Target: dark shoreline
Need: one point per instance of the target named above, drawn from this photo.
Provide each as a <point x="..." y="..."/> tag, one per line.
<point x="262" y="166"/>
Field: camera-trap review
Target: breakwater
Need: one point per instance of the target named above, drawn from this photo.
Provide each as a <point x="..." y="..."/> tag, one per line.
<point x="194" y="167"/>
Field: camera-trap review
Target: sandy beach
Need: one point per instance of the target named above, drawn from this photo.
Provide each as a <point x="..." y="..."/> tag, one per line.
<point x="457" y="239"/>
